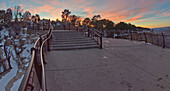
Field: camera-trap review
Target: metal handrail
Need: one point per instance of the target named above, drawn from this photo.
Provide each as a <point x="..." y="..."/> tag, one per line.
<point x="99" y="34"/>
<point x="42" y="62"/>
<point x="25" y="80"/>
<point x="29" y="69"/>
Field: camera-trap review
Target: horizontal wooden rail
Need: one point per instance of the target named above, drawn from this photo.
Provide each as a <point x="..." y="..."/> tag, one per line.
<point x="160" y="39"/>
<point x="36" y="65"/>
<point x="25" y="80"/>
<point x="89" y="31"/>
<point x="95" y="33"/>
<point x="43" y="60"/>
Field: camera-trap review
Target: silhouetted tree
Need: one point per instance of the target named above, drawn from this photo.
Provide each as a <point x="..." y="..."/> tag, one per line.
<point x="96" y="17"/>
<point x="8" y="15"/>
<point x="131" y="27"/>
<point x="104" y="22"/>
<point x="65" y="14"/>
<point x="17" y="10"/>
<point x="27" y="15"/>
<point x="37" y="18"/>
<point x="121" y="26"/>
<point x="95" y="20"/>
<point x="86" y="21"/>
<point x="100" y="24"/>
<point x="110" y="25"/>
<point x="33" y="18"/>
<point x="75" y="20"/>
<point x="72" y="19"/>
<point x="2" y="16"/>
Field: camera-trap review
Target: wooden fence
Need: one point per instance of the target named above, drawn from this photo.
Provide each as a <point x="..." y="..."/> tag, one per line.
<point x="34" y="77"/>
<point x="161" y="39"/>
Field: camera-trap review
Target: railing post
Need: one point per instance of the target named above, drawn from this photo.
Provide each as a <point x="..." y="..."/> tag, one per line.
<point x="69" y="27"/>
<point x="140" y="36"/>
<point x="64" y="27"/>
<point x="48" y="41"/>
<point x="38" y="26"/>
<point x="151" y="35"/>
<point x="163" y="43"/>
<point x="43" y="26"/>
<point x="48" y="48"/>
<point x="101" y="41"/>
<point x="48" y="25"/>
<point x="88" y="32"/>
<point x="40" y="41"/>
<point x="157" y="39"/>
<point x="145" y="37"/>
<point x="131" y="38"/>
<point x="77" y="28"/>
<point x="33" y="26"/>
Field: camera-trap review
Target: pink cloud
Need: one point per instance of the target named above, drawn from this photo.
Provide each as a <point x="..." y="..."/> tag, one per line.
<point x="3" y="5"/>
<point x="165" y="14"/>
<point x="89" y="11"/>
<point x="137" y="17"/>
<point x="44" y="8"/>
<point x="115" y="10"/>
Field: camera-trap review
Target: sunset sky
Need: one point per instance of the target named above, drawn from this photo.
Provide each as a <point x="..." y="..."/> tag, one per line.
<point x="145" y="13"/>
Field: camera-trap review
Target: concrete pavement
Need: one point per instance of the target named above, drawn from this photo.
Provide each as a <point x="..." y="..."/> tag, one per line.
<point x="122" y="65"/>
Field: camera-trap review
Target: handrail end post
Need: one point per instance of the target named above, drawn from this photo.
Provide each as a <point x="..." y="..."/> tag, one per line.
<point x="101" y="42"/>
<point x="163" y="43"/>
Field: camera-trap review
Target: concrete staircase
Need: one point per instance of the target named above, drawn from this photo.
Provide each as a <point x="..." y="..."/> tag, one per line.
<point x="69" y="40"/>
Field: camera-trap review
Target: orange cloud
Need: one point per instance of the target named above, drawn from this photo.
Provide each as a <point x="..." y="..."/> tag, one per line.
<point x="135" y="11"/>
<point x="134" y="18"/>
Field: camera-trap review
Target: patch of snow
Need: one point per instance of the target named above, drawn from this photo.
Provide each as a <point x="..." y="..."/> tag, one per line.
<point x="145" y="43"/>
<point x="4" y="32"/>
<point x="16" y="84"/>
<point x="26" y="53"/>
<point x="105" y="57"/>
<point x="27" y="64"/>
<point x="20" y="70"/>
<point x="7" y="77"/>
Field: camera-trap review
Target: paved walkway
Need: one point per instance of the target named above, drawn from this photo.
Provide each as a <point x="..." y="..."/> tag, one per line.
<point x="122" y="65"/>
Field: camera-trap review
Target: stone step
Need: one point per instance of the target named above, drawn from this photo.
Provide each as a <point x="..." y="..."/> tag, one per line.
<point x="72" y="38"/>
<point x="67" y="32"/>
<point x="71" y="45"/>
<point x="80" y="36"/>
<point x="63" y="35"/>
<point x="68" y="40"/>
<point x="55" y="39"/>
<point x="74" y="47"/>
<point x="67" y="36"/>
<point x="73" y="42"/>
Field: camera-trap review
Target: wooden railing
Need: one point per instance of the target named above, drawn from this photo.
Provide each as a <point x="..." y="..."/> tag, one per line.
<point x="160" y="39"/>
<point x="87" y="31"/>
<point x="34" y="77"/>
<point x="38" y="26"/>
<point x="96" y="35"/>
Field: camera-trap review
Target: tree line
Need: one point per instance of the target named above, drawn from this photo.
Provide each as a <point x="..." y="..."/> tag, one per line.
<point x="97" y="22"/>
<point x="17" y="14"/>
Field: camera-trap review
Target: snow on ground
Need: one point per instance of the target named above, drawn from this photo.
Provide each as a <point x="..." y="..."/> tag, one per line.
<point x="16" y="84"/>
<point x="9" y="78"/>
<point x="5" y="79"/>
